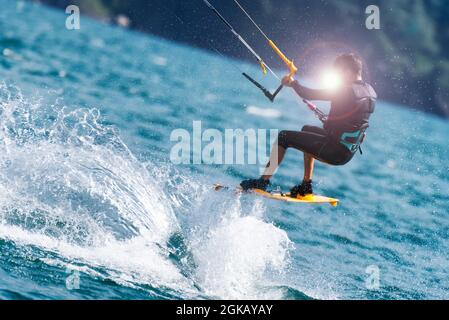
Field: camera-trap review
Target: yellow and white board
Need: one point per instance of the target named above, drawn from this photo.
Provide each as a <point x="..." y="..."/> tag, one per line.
<point x="309" y="199"/>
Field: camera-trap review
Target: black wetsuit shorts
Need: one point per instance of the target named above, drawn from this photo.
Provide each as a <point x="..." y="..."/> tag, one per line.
<point x="318" y="143"/>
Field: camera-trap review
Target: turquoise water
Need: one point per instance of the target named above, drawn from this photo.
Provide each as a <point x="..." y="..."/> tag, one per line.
<point x="87" y="189"/>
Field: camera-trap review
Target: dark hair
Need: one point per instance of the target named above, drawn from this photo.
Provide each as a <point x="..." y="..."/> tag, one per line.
<point x="350" y="61"/>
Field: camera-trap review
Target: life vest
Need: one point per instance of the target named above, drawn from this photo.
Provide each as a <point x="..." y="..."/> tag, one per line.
<point x="349" y="127"/>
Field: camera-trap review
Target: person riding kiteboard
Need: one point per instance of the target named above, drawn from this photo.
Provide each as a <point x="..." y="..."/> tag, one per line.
<point x="343" y="131"/>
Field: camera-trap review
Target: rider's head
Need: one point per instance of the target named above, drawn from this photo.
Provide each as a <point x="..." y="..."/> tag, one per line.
<point x="350" y="66"/>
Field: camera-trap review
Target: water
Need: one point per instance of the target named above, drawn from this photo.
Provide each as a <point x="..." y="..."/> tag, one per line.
<point x="87" y="190"/>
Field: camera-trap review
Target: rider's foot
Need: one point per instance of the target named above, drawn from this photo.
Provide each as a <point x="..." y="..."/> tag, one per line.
<point x="304" y="189"/>
<point x="260" y="184"/>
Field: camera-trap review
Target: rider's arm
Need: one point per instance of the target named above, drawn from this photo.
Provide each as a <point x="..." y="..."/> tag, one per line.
<point x="312" y="94"/>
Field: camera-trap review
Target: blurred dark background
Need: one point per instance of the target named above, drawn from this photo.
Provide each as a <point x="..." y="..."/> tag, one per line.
<point x="407" y="59"/>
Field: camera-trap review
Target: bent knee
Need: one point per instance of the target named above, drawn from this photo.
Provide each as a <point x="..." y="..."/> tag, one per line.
<point x="283" y="139"/>
<point x="312" y="129"/>
<point x="305" y="128"/>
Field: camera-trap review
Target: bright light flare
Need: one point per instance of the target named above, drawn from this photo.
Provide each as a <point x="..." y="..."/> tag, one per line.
<point x="331" y="79"/>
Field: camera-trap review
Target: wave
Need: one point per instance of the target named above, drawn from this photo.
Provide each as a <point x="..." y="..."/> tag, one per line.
<point x="69" y="185"/>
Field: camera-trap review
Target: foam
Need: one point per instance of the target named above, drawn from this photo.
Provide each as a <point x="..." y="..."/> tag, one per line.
<point x="69" y="185"/>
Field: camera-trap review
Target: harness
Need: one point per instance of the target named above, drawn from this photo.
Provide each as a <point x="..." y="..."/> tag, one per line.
<point x="353" y="140"/>
<point x="364" y="105"/>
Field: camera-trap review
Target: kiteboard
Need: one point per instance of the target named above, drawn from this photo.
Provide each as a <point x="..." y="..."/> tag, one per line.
<point x="285" y="197"/>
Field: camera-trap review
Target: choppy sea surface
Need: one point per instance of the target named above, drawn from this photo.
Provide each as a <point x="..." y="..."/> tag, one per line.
<point x="91" y="207"/>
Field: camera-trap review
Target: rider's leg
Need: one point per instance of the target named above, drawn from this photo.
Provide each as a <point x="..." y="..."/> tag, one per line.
<point x="276" y="158"/>
<point x="309" y="163"/>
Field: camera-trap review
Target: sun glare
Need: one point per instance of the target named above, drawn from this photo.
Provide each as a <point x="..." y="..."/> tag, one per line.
<point x="331" y="79"/>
